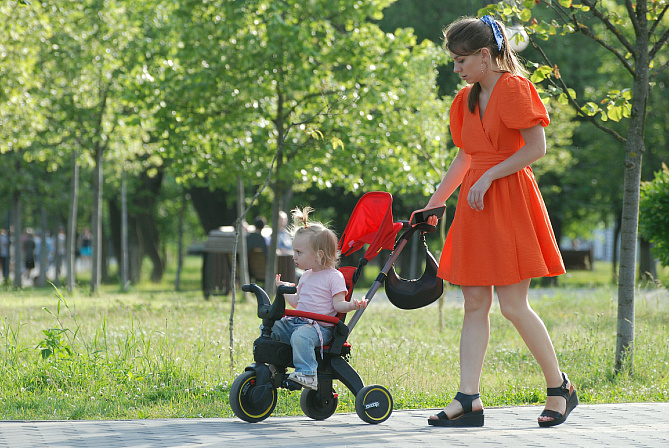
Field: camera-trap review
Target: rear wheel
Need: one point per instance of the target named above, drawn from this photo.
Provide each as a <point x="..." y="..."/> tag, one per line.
<point x="374" y="404"/>
<point x="315" y="406"/>
<point x="250" y="403"/>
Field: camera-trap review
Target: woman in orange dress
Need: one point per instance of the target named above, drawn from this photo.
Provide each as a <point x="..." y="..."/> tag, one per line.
<point x="501" y="236"/>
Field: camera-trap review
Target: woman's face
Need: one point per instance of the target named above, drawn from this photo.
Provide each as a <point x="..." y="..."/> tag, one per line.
<point x="468" y="67"/>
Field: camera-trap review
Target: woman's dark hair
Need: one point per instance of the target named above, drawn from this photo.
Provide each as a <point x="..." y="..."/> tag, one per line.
<point x="468" y="36"/>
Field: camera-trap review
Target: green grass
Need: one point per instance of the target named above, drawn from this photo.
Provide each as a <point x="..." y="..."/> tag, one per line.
<point x="602" y="275"/>
<point x="156" y="353"/>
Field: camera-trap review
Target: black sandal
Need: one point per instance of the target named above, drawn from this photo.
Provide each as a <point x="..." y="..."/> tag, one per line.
<point x="468" y="418"/>
<point x="569" y="394"/>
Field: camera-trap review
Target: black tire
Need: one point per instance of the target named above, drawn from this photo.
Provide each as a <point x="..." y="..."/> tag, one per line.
<point x="315" y="407"/>
<point x="374" y="404"/>
<point x="241" y="399"/>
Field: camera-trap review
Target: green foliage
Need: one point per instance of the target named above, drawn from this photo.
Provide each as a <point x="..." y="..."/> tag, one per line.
<point x="569" y="18"/>
<point x="54" y="343"/>
<point x="592" y="70"/>
<point x="654" y="214"/>
<point x="316" y="84"/>
<point x="206" y="91"/>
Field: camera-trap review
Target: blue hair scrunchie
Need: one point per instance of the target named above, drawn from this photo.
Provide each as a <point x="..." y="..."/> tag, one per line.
<point x="496" y="30"/>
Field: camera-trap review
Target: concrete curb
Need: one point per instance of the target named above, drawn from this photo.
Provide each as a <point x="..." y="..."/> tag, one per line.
<point x="605" y="425"/>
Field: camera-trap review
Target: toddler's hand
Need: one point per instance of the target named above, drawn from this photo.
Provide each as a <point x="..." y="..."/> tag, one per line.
<point x="278" y="281"/>
<point x="358" y="304"/>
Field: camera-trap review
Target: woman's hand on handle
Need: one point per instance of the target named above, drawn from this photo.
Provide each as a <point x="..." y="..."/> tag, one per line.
<point x="431" y="219"/>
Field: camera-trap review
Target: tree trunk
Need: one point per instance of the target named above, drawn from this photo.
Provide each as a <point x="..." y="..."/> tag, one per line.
<point x="647" y="268"/>
<point x="18" y="231"/>
<point x="96" y="233"/>
<point x="134" y="250"/>
<point x="43" y="249"/>
<point x="135" y="253"/>
<point x="123" y="259"/>
<point x="279" y="191"/>
<point x="627" y="273"/>
<point x="270" y="260"/>
<point x="105" y="255"/>
<point x="150" y="244"/>
<point x="212" y="208"/>
<point x="632" y="188"/>
<point x="72" y="224"/>
<point x="180" y="242"/>
<point x="616" y="238"/>
<point x="144" y="201"/>
<point x="243" y="254"/>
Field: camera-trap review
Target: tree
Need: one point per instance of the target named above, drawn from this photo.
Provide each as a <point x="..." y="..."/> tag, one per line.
<point x="99" y="47"/>
<point x="635" y="35"/>
<point x="21" y="114"/>
<point x="311" y="90"/>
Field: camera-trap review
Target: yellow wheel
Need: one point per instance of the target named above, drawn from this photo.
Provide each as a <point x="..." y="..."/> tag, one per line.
<point x="374" y="404"/>
<point x="250" y="403"/>
<point x="316" y="407"/>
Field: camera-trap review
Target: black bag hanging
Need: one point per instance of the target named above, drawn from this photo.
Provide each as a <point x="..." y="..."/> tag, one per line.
<point x="412" y="294"/>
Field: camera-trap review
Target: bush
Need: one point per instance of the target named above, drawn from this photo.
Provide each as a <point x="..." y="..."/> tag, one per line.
<point x="654" y="214"/>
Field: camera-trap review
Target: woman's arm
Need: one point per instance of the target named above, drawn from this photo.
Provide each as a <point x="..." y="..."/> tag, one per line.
<point x="534" y="149"/>
<point x="453" y="178"/>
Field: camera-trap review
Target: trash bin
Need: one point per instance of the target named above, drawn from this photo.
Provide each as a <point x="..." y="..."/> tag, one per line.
<point x="217" y="261"/>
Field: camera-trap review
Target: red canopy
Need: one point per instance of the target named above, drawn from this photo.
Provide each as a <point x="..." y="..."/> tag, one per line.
<point x="371" y="222"/>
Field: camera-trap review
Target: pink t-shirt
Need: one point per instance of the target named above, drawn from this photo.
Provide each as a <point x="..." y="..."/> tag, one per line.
<point x="316" y="290"/>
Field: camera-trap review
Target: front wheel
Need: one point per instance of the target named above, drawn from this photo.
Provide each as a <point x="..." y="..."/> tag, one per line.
<point x="315" y="406"/>
<point x="374" y="404"/>
<point x="250" y="402"/>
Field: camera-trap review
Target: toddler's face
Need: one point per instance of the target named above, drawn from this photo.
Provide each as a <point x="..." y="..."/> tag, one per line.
<point x="303" y="256"/>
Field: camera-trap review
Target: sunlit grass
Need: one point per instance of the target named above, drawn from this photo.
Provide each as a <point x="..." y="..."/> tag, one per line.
<point x="156" y="353"/>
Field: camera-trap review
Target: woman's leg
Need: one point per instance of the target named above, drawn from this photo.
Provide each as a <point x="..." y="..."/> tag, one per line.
<point x="473" y="344"/>
<point x="515" y="306"/>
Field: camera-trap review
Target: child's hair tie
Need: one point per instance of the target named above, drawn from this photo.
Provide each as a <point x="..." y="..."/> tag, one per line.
<point x="301" y="217"/>
<point x="496" y="30"/>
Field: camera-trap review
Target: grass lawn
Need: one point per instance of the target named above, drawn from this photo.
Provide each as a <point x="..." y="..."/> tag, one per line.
<point x="156" y="353"/>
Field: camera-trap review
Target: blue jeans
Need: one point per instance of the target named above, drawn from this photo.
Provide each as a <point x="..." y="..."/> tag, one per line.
<point x="304" y="339"/>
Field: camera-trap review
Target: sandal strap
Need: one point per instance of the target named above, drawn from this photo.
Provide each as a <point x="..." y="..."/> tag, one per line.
<point x="561" y="391"/>
<point x="555" y="415"/>
<point x="466" y="401"/>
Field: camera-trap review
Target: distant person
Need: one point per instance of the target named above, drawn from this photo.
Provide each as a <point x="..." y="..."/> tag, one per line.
<point x="4" y="254"/>
<point x="61" y="250"/>
<point x="501" y="236"/>
<point x="86" y="247"/>
<point x="284" y="243"/>
<point x="255" y="239"/>
<point x="28" y="247"/>
<point x="37" y="236"/>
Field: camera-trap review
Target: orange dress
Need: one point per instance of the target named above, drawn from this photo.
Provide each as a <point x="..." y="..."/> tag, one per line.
<point x="511" y="239"/>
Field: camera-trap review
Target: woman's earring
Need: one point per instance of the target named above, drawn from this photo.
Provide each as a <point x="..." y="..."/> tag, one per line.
<point x="482" y="71"/>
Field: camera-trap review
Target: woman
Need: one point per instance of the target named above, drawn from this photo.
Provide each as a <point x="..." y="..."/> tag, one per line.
<point x="501" y="235"/>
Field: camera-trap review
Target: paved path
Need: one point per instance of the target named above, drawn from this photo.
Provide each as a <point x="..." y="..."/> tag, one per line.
<point x="607" y="425"/>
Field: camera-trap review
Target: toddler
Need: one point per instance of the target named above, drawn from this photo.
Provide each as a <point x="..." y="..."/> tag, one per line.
<point x="321" y="289"/>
